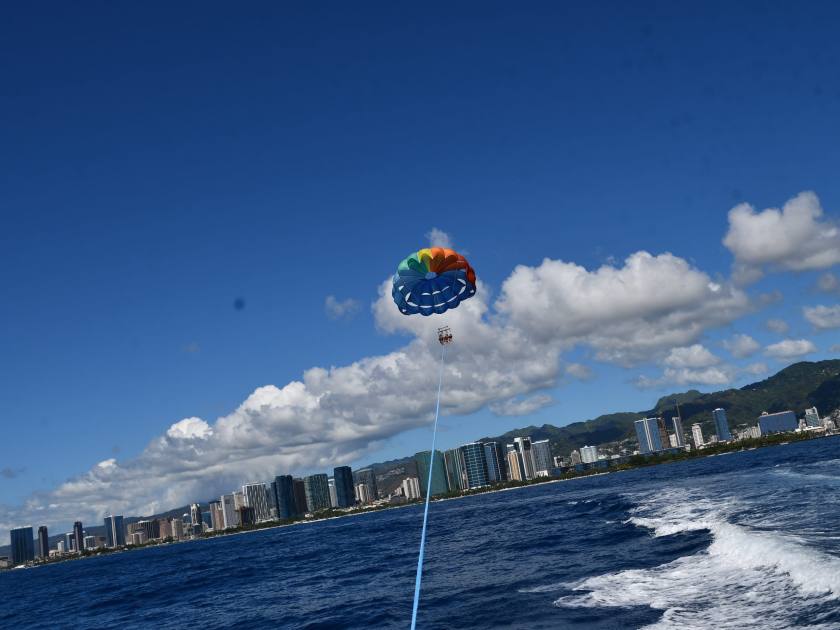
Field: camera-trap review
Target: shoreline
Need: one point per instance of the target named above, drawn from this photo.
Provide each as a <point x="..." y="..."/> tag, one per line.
<point x="373" y="510"/>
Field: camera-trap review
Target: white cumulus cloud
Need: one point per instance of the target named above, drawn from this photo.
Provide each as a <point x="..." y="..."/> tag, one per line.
<point x="778" y="326"/>
<point x="337" y="309"/>
<point x="823" y="317"/>
<point x="796" y="237"/>
<point x="694" y="356"/>
<point x="790" y="348"/>
<point x="439" y="238"/>
<point x="190" y="428"/>
<point x="741" y="346"/>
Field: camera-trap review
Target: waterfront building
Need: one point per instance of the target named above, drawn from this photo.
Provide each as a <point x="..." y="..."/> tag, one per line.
<point x="411" y="488"/>
<point x="780" y="422"/>
<point x="574" y="458"/>
<point x="541" y="452"/>
<point x="812" y="417"/>
<point x="195" y="515"/>
<point x="589" y="454"/>
<point x="367" y="476"/>
<point x="721" y="425"/>
<point x="284" y="495"/>
<point x="423" y="460"/>
<point x="164" y="527"/>
<point x="494" y="453"/>
<point x="114" y="531"/>
<point x="217" y="516"/>
<point x="317" y="492"/>
<point x="522" y="447"/>
<point x="300" y="496"/>
<point x="363" y="493"/>
<point x="650" y="439"/>
<point x="679" y="434"/>
<point x="138" y="538"/>
<point x="664" y="442"/>
<point x="60" y="547"/>
<point x="344" y="493"/>
<point x="475" y="465"/>
<point x="22" y="544"/>
<point x="455" y="475"/>
<point x="257" y="498"/>
<point x="515" y="472"/>
<point x="79" y="536"/>
<point x="43" y="542"/>
<point x="697" y="435"/>
<point x="177" y="526"/>
<point x="70" y="542"/>
<point x="247" y="515"/>
<point x="90" y="543"/>
<point x="229" y="514"/>
<point x="331" y="488"/>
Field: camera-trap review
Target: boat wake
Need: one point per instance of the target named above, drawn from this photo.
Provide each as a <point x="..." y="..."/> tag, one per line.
<point x="746" y="578"/>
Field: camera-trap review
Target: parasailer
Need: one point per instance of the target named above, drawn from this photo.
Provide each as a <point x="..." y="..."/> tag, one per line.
<point x="432" y="281"/>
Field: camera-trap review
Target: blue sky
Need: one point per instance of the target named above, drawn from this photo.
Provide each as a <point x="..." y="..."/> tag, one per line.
<point x="160" y="163"/>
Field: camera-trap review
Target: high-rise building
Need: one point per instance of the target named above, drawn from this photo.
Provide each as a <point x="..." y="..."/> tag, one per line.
<point x="475" y="465"/>
<point x="114" y="531"/>
<point x="79" y="535"/>
<point x="165" y="527"/>
<point x="333" y="496"/>
<point x="514" y="465"/>
<point x="455" y="474"/>
<point x="177" y="526"/>
<point x="247" y="515"/>
<point x="90" y="543"/>
<point x="23" y="545"/>
<point x="230" y="517"/>
<point x="697" y="435"/>
<point x="664" y="442"/>
<point x="411" y="488"/>
<point x="423" y="460"/>
<point x="363" y="493"/>
<point x="43" y="542"/>
<point x="196" y="520"/>
<point x="522" y="447"/>
<point x="368" y="477"/>
<point x="812" y="417"/>
<point x="70" y="542"/>
<point x="721" y="425"/>
<point x="574" y="458"/>
<point x="344" y="495"/>
<point x="679" y="435"/>
<point x="300" y="496"/>
<point x="496" y="464"/>
<point x="60" y="546"/>
<point x="284" y="493"/>
<point x="317" y="492"/>
<point x="217" y="516"/>
<point x="541" y="452"/>
<point x="139" y="538"/>
<point x="650" y="439"/>
<point x="780" y="422"/>
<point x="589" y="454"/>
<point x="257" y="498"/>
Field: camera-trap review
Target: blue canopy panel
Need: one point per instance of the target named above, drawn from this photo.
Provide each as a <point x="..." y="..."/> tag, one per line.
<point x="426" y="293"/>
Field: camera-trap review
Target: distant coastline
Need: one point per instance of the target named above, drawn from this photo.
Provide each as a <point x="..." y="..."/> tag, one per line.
<point x="636" y="461"/>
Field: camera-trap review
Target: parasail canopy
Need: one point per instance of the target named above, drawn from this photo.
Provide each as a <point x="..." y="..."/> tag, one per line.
<point x="433" y="280"/>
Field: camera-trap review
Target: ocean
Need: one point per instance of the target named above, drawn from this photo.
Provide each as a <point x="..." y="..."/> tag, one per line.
<point x="744" y="540"/>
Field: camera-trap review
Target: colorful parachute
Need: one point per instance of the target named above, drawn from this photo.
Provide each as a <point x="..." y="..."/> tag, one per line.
<point x="433" y="280"/>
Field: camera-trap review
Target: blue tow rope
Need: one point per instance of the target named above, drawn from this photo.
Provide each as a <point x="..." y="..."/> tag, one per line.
<point x="419" y="576"/>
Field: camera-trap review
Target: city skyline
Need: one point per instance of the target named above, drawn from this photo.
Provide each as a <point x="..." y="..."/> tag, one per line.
<point x="471" y="466"/>
<point x="159" y="228"/>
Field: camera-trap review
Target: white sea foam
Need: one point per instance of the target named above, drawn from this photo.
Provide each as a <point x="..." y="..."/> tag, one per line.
<point x="745" y="579"/>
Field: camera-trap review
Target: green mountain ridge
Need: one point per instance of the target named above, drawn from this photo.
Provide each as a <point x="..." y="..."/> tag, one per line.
<point x="800" y="385"/>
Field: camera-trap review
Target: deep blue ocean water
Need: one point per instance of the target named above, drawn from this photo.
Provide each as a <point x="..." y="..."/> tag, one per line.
<point x="745" y="540"/>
